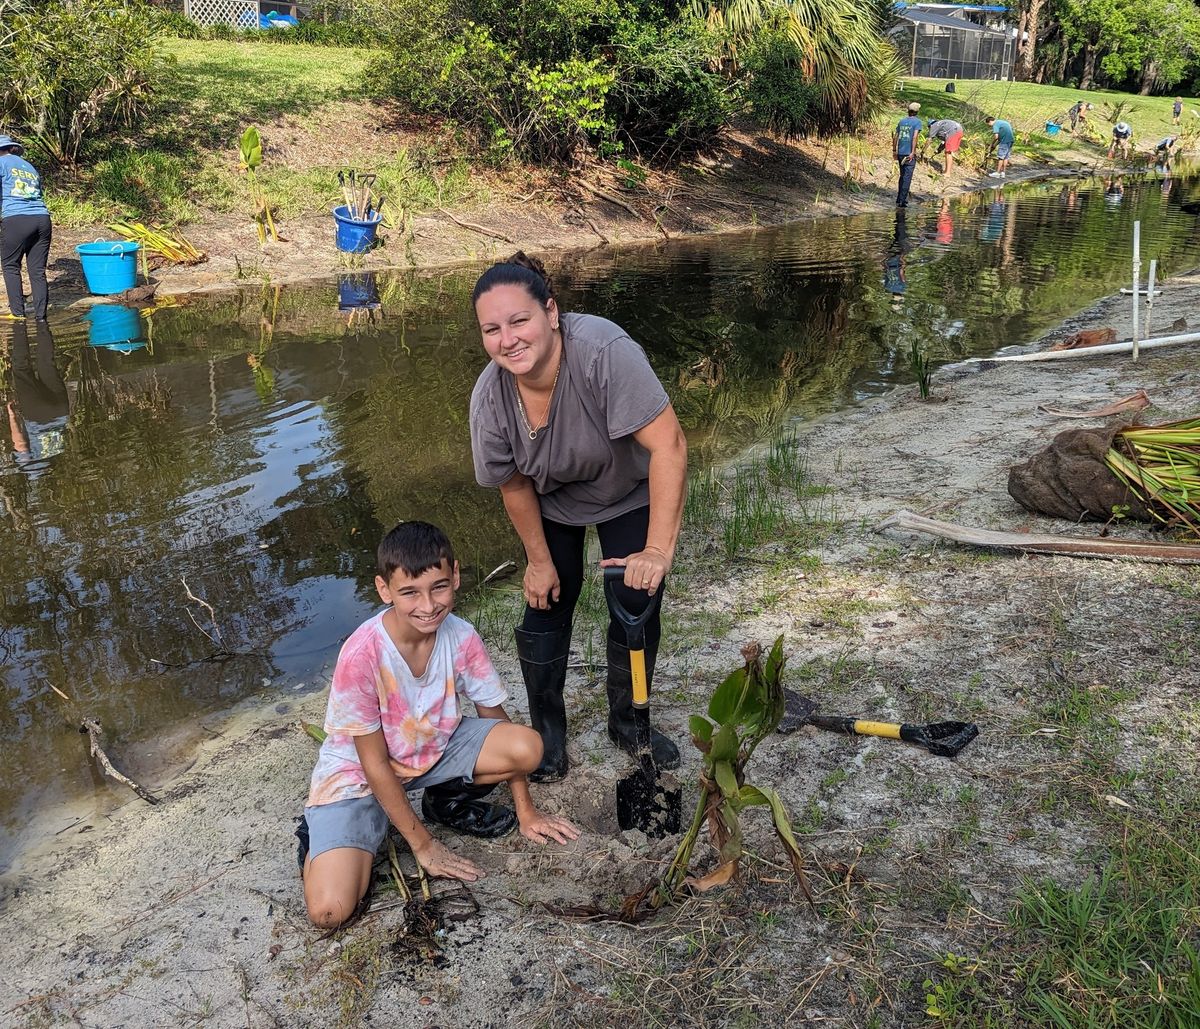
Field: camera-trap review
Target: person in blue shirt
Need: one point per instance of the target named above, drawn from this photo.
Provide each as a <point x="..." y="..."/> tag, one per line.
<point x="1003" y="136"/>
<point x="24" y="230"/>
<point x="904" y="150"/>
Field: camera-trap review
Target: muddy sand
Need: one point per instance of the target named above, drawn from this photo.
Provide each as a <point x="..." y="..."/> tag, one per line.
<point x="190" y="912"/>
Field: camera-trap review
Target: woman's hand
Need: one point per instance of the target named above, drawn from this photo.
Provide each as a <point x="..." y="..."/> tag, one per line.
<point x="544" y="828"/>
<point x="541" y="585"/>
<point x="644" y="570"/>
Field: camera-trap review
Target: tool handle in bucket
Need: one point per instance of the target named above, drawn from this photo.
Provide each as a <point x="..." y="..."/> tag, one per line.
<point x="634" y="625"/>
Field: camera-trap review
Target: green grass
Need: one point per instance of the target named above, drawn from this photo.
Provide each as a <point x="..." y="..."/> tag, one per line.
<point x="1028" y="106"/>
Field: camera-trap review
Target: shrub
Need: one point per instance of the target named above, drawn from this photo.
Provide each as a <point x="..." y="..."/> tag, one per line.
<point x="668" y="96"/>
<point x="778" y="95"/>
<point x="71" y="69"/>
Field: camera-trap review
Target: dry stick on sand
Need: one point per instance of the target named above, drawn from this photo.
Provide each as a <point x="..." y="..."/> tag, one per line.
<point x="1046" y="543"/>
<point x="477" y="228"/>
<point x="93" y="730"/>
<point x="612" y="198"/>
<point x="1134" y="402"/>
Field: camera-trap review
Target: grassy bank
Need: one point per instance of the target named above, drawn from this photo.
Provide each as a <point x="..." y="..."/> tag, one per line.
<point x="316" y="109"/>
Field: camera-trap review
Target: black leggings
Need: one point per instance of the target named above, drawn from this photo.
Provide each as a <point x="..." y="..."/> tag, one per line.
<point x="26" y="236"/>
<point x="619" y="537"/>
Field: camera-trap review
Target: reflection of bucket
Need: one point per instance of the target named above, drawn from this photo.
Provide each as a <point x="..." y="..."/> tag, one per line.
<point x="1052" y="129"/>
<point x="358" y="292"/>
<point x="354" y="236"/>
<point x="109" y="267"/>
<point x="112" y="323"/>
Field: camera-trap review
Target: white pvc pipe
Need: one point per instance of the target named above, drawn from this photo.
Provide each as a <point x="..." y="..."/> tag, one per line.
<point x="1137" y="267"/>
<point x="1106" y="348"/>
<point x="1150" y="294"/>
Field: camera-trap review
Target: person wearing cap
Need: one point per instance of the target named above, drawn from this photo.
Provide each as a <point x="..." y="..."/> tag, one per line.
<point x="904" y="150"/>
<point x="1003" y="137"/>
<point x="949" y="134"/>
<point x="24" y="230"/>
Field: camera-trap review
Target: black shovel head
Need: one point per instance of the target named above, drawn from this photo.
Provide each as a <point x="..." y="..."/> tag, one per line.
<point x="649" y="802"/>
<point x="945" y="739"/>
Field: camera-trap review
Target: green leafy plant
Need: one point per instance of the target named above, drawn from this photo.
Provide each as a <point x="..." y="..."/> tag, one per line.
<point x="75" y="69"/>
<point x="918" y="363"/>
<point x="744" y="710"/>
<point x="250" y="146"/>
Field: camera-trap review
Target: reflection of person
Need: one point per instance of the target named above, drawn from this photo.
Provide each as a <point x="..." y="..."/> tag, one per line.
<point x="393" y="724"/>
<point x="944" y="230"/>
<point x="1003" y="137"/>
<point x="904" y="150"/>
<point x="950" y="133"/>
<point x="24" y="230"/>
<point x="1114" y="190"/>
<point x="895" y="279"/>
<point x="37" y="417"/>
<point x="573" y="426"/>
<point x="1122" y="137"/>
<point x="993" y="228"/>
<point x="1176" y="110"/>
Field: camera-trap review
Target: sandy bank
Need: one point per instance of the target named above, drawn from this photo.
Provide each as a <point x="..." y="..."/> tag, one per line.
<point x="190" y="912"/>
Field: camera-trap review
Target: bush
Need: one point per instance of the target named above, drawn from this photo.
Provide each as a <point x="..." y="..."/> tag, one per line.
<point x="72" y="69"/>
<point x="668" y="96"/>
<point x="777" y="93"/>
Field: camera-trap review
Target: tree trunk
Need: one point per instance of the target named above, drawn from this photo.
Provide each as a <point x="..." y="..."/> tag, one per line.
<point x="1089" y="67"/>
<point x="1030" y="44"/>
<point x="1149" y="77"/>
<point x="1061" y="74"/>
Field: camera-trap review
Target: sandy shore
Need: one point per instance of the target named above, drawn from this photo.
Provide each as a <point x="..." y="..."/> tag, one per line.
<point x="190" y="912"/>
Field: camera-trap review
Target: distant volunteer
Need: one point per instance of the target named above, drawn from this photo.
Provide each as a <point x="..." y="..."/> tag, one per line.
<point x="949" y="134"/>
<point x="1003" y="137"/>
<point x="1122" y="137"/>
<point x="24" y="230"/>
<point x="904" y="150"/>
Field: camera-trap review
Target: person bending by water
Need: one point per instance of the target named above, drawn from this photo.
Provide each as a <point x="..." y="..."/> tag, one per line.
<point x="1122" y="137"/>
<point x="571" y="424"/>
<point x="24" y="230"/>
<point x="1003" y="137"/>
<point x="393" y="724"/>
<point x="949" y="133"/>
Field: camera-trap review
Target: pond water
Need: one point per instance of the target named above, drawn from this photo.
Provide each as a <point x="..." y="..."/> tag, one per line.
<point x="250" y="450"/>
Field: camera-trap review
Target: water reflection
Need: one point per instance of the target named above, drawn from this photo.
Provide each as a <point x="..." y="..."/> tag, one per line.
<point x="259" y="444"/>
<point x="38" y="410"/>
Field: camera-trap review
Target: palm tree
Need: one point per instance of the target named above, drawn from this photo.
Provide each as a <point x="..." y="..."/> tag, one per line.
<point x="839" y="46"/>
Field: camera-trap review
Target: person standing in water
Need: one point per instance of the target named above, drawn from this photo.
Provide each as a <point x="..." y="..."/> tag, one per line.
<point x="571" y="424"/>
<point x="904" y="150"/>
<point x="24" y="230"/>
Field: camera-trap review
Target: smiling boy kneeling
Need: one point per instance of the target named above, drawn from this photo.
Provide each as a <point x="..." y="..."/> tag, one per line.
<point x="393" y="724"/>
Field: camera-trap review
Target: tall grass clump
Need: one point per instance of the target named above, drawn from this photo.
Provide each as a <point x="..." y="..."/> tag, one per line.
<point x="1161" y="466"/>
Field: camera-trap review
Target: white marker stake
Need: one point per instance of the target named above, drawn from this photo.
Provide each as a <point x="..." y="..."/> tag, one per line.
<point x="1137" y="267"/>
<point x="1150" y="296"/>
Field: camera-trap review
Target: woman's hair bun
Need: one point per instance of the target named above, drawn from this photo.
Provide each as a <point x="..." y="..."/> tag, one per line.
<point x="519" y="270"/>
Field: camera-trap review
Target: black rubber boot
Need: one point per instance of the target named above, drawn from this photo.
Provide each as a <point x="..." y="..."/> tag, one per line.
<point x="459" y="805"/>
<point x="544" y="667"/>
<point x="620" y="706"/>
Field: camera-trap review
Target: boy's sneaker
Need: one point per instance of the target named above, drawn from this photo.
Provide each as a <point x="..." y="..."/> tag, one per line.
<point x="1004" y="175"/>
<point x="302" y="837"/>
<point x="995" y="175"/>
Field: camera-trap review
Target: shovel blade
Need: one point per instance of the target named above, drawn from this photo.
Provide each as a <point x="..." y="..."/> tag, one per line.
<point x="945" y="739"/>
<point x="650" y="803"/>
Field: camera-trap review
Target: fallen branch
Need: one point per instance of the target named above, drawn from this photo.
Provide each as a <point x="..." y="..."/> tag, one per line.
<point x="93" y="730"/>
<point x="1045" y="543"/>
<point x="612" y="198"/>
<point x="482" y="230"/>
<point x="1134" y="402"/>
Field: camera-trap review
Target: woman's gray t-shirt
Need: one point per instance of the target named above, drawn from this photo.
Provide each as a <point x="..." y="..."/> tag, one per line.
<point x="585" y="465"/>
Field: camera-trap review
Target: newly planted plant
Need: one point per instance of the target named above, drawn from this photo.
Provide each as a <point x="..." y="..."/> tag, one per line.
<point x="744" y="710"/>
<point x="251" y="149"/>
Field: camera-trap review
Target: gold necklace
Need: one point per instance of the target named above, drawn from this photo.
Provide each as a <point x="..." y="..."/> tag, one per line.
<point x="544" y="421"/>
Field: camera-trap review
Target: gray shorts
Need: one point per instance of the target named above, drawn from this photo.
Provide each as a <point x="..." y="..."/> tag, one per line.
<point x="362" y="823"/>
<point x="1003" y="150"/>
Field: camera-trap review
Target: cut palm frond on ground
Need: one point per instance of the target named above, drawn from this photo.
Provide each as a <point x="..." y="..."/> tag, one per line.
<point x="1161" y="465"/>
<point x="168" y="243"/>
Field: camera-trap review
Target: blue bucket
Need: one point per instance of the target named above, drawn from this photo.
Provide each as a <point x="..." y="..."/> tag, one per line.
<point x="109" y="267"/>
<point x="110" y="324"/>
<point x="354" y="236"/>
<point x="358" y="292"/>
<point x="1052" y="129"/>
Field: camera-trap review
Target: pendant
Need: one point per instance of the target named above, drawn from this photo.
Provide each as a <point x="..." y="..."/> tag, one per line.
<point x="533" y="433"/>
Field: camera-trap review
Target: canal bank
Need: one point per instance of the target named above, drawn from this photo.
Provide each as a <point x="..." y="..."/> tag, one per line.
<point x="1081" y="675"/>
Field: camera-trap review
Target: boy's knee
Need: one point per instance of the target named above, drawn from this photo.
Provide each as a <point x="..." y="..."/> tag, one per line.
<point x="526" y="750"/>
<point x="328" y="912"/>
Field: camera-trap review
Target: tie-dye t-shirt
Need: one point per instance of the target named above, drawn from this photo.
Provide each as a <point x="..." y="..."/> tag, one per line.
<point x="373" y="687"/>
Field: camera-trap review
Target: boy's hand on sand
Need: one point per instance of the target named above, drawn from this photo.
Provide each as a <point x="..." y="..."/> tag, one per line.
<point x="438" y="859"/>
<point x="544" y="828"/>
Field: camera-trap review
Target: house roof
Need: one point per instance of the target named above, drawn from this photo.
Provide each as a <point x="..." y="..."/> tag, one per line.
<point x="943" y="21"/>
